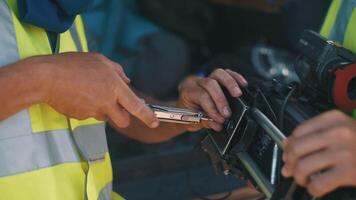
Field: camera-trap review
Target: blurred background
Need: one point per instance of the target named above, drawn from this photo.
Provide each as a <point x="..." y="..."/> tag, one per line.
<point x="159" y="43"/>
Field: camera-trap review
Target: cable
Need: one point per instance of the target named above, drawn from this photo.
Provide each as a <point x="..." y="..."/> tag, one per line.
<point x="268" y="105"/>
<point x="277" y="151"/>
<point x="283" y="108"/>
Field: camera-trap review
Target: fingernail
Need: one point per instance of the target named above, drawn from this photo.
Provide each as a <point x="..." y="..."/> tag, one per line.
<point x="237" y="91"/>
<point x="155" y="124"/>
<point x="226" y="111"/>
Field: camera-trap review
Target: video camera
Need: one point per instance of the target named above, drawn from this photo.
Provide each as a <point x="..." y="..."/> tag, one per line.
<point x="250" y="145"/>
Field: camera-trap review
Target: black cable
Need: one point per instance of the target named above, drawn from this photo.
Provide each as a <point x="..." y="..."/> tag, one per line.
<point x="200" y="196"/>
<point x="281" y="115"/>
<point x="268" y="105"/>
<point x="274" y="117"/>
<point x="281" y="123"/>
<point x="283" y="108"/>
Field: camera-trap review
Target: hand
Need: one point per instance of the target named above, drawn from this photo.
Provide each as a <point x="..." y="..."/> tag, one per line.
<point x="321" y="153"/>
<point x="206" y="94"/>
<point x="83" y="85"/>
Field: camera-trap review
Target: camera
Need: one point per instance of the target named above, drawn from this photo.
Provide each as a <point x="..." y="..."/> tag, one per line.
<point x="326" y="71"/>
<point x="250" y="144"/>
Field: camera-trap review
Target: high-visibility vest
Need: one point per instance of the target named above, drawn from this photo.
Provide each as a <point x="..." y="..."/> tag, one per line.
<point x="43" y="154"/>
<point x="340" y="25"/>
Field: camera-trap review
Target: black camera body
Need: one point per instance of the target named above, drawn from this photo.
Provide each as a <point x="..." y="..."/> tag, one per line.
<point x="322" y="66"/>
<point x="250" y="144"/>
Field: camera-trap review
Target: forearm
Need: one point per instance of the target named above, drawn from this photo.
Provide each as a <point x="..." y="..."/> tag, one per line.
<point x="21" y="87"/>
<point x="138" y="131"/>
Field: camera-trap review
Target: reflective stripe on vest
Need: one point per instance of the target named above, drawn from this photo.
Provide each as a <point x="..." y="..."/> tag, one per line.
<point x="41" y="151"/>
<point x="340" y="25"/>
<point x="75" y="35"/>
<point x="36" y="151"/>
<point x="341" y="22"/>
<point x="8" y="47"/>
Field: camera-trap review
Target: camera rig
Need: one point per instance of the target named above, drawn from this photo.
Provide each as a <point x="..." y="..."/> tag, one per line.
<point x="250" y="145"/>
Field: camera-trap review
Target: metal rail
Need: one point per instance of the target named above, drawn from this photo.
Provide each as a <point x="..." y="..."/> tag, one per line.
<point x="269" y="127"/>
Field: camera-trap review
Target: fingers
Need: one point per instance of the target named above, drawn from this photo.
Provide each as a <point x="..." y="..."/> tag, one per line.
<point x="115" y="66"/>
<point x="207" y="94"/>
<point x="326" y="182"/>
<point x="101" y="117"/>
<point x="320" y="153"/>
<point x="206" y="124"/>
<point x="119" y="70"/>
<point x="207" y="104"/>
<point x="213" y="88"/>
<point x="193" y="127"/>
<point x="313" y="164"/>
<point x="238" y="77"/>
<point x="212" y="125"/>
<point x="132" y="104"/>
<point x="119" y="116"/>
<point x="296" y="148"/>
<point x="322" y="122"/>
<point x="227" y="80"/>
<point x="195" y="97"/>
<point x="215" y="126"/>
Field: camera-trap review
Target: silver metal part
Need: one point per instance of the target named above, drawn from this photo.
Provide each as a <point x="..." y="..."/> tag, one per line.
<point x="178" y="115"/>
<point x="269" y="127"/>
<point x="274" y="164"/>
<point x="262" y="182"/>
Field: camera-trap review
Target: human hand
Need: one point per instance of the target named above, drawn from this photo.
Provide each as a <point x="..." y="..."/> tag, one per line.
<point x="321" y="153"/>
<point x="84" y="85"/>
<point x="206" y="94"/>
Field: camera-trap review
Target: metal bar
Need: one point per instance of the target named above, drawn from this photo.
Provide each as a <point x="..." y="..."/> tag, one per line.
<point x="269" y="127"/>
<point x="274" y="164"/>
<point x="260" y="179"/>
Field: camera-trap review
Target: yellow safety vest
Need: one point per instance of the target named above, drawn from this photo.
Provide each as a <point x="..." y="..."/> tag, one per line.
<point x="43" y="154"/>
<point x="340" y="25"/>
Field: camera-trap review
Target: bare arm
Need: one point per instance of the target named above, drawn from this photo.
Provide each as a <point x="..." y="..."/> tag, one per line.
<point x="21" y="86"/>
<point x="78" y="85"/>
